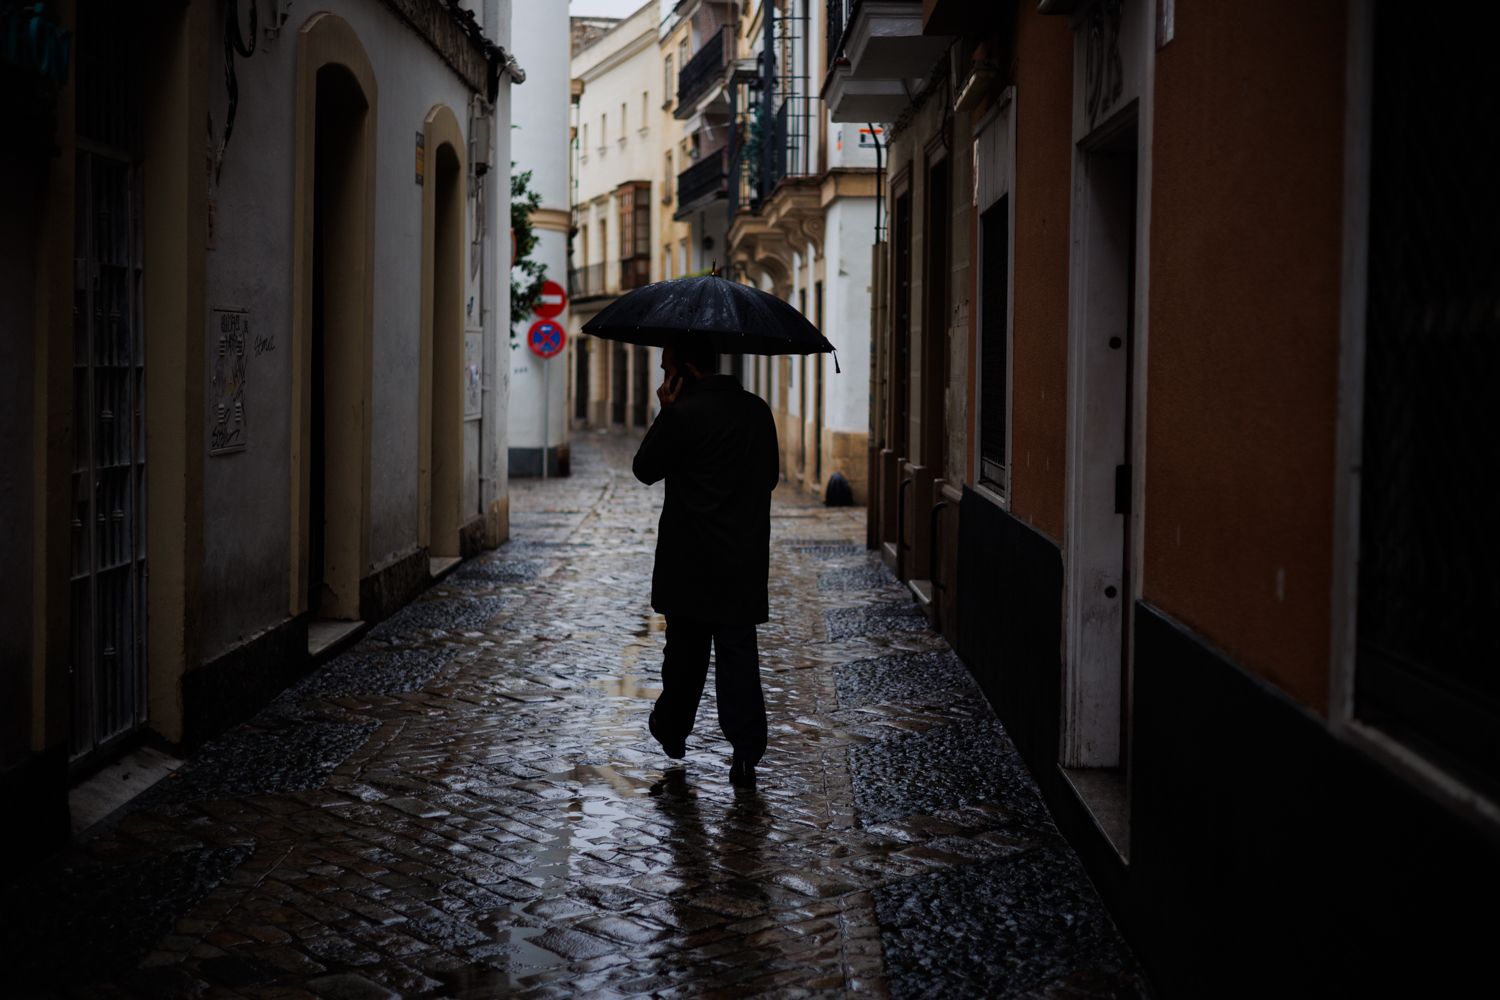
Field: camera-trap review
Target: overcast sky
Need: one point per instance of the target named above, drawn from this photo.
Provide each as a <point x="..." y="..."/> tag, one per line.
<point x="602" y="8"/>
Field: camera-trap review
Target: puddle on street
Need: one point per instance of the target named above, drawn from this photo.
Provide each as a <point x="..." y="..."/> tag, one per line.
<point x="593" y="817"/>
<point x="654" y="624"/>
<point x="629" y="683"/>
<point x="631" y="686"/>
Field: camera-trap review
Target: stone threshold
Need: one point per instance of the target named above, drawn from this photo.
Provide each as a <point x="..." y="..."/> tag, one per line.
<point x="115" y="784"/>
<point x="327" y="636"/>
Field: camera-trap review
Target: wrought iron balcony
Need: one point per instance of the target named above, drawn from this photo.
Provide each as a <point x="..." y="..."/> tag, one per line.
<point x="875" y="47"/>
<point x="768" y="149"/>
<point x="838" y="17"/>
<point x="704" y="68"/>
<point x="703" y="182"/>
<point x="586" y="282"/>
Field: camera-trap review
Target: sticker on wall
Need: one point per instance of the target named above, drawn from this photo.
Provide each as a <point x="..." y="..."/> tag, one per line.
<point x="473" y="383"/>
<point x="229" y="329"/>
<point x="421" y="157"/>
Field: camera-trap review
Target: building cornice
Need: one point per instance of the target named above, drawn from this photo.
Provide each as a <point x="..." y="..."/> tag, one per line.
<point x="617" y="58"/>
<point x="454" y="35"/>
<point x="558" y="220"/>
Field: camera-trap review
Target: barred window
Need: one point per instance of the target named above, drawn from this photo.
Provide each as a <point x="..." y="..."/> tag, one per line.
<point x="1428" y="654"/>
<point x="994" y="233"/>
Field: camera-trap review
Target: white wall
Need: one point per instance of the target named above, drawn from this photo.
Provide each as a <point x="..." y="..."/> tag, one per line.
<point x="853" y="145"/>
<point x="539" y="143"/>
<point x="246" y="503"/>
<point x="848" y="235"/>
<point x="538" y="383"/>
<point x="618" y="68"/>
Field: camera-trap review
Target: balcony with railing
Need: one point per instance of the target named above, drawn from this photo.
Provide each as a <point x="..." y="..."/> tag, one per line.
<point x="768" y="149"/>
<point x="838" y="16"/>
<point x="703" y="70"/>
<point x="702" y="183"/>
<point x="586" y="282"/>
<point x="874" y="48"/>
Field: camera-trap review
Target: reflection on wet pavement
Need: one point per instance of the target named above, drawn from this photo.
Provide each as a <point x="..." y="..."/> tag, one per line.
<point x="467" y="804"/>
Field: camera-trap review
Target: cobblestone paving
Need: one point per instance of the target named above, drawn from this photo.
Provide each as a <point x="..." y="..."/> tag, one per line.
<point x="466" y="804"/>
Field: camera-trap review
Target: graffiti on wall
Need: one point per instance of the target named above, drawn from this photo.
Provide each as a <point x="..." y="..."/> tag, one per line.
<point x="229" y="330"/>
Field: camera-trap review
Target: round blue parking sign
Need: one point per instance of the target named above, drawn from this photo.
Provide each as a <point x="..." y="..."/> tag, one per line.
<point x="546" y="338"/>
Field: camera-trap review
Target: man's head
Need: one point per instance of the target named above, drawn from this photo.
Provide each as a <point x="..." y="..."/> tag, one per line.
<point x="690" y="357"/>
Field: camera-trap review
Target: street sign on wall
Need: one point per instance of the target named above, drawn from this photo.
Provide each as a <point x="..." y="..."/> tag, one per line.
<point x="546" y="338"/>
<point x="552" y="301"/>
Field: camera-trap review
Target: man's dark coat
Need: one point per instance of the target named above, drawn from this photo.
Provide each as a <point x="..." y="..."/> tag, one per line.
<point x="716" y="448"/>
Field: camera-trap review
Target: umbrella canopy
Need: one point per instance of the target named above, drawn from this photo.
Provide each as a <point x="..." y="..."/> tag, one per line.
<point x="740" y="319"/>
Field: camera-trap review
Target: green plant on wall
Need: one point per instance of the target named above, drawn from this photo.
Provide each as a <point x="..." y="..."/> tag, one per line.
<point x="526" y="275"/>
<point x="755" y="138"/>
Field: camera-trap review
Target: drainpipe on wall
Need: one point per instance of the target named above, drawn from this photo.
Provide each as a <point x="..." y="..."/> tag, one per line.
<point x="494" y="487"/>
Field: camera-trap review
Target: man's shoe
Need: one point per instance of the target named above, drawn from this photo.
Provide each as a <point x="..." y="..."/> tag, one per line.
<point x="741" y="774"/>
<point x="676" y="749"/>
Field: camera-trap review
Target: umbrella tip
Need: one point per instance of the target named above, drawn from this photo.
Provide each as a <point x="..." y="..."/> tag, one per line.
<point x="713" y="270"/>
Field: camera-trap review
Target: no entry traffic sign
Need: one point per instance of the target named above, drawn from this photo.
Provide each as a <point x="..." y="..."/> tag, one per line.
<point x="552" y="301"/>
<point x="546" y="338"/>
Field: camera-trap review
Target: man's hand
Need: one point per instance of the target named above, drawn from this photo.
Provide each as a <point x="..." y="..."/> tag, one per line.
<point x="669" y="390"/>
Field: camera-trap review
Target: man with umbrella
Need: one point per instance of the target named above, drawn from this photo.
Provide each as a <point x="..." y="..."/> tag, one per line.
<point x="715" y="445"/>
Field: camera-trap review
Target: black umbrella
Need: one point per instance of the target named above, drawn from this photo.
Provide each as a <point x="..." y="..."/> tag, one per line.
<point x="740" y="319"/>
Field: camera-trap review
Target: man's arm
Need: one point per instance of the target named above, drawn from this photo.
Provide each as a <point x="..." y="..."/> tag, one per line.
<point x="653" y="460"/>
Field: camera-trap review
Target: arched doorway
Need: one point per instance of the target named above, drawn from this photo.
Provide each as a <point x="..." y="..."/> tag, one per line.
<point x="333" y="229"/>
<point x="440" y="447"/>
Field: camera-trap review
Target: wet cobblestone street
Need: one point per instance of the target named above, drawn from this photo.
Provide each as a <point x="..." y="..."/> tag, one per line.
<point x="467" y="804"/>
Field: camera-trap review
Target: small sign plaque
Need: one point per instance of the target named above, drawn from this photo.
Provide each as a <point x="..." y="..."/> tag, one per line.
<point x="229" y="330"/>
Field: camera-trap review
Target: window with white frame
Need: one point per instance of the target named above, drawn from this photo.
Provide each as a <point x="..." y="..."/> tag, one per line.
<point x="993" y="145"/>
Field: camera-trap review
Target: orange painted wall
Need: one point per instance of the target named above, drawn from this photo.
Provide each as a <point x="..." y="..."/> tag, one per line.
<point x="1040" y="200"/>
<point x="1243" y="332"/>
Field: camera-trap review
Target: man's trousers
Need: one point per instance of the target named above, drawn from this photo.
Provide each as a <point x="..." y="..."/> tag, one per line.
<point x="742" y="707"/>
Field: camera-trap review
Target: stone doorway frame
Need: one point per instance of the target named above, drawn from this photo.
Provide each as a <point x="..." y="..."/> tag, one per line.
<point x="327" y="41"/>
<point x="440" y="411"/>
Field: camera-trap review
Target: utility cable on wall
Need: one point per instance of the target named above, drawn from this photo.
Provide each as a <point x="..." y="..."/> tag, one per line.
<point x="234" y="42"/>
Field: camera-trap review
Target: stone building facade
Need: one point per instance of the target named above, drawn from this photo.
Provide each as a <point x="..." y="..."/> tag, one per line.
<point x="1155" y="356"/>
<point x="256" y="397"/>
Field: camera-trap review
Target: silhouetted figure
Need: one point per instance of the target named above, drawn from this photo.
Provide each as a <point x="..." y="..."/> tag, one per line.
<point x="838" y="493"/>
<point x="715" y="445"/>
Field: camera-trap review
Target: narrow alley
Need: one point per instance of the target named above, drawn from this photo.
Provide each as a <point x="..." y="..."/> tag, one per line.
<point x="466" y="803"/>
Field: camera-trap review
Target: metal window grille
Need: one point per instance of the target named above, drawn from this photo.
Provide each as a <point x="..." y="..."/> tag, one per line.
<point x="1428" y="655"/>
<point x="994" y="231"/>
<point x="774" y="113"/>
<point x="107" y="657"/>
<point x="838" y="18"/>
